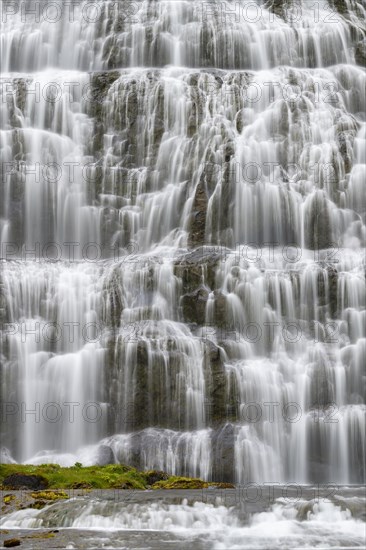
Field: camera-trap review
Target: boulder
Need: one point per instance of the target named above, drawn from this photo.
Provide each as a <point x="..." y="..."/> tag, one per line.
<point x="10" y="543"/>
<point x="152" y="476"/>
<point x="25" y="481"/>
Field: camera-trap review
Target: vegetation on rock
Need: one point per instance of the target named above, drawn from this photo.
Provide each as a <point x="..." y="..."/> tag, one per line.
<point x="176" y="482"/>
<point x="113" y="476"/>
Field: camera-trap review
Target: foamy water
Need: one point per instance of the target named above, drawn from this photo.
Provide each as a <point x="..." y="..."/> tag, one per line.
<point x="306" y="524"/>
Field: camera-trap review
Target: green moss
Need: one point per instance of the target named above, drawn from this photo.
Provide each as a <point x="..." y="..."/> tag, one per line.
<point x="82" y="485"/>
<point x="48" y="535"/>
<point x="49" y="495"/>
<point x="8" y="499"/>
<point x="176" y="482"/>
<point x="91" y="477"/>
<point x="113" y="476"/>
<point x="38" y="504"/>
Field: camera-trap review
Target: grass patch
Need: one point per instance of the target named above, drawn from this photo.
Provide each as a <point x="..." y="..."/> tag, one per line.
<point x="49" y="495"/>
<point x="176" y="482"/>
<point x="113" y="476"/>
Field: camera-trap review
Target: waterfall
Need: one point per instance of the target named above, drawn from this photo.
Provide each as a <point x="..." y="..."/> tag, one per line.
<point x="183" y="236"/>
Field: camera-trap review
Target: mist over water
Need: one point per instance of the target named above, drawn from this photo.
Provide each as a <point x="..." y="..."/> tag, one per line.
<point x="183" y="255"/>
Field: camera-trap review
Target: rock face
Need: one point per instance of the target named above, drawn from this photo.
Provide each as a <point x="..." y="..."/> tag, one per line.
<point x="224" y="454"/>
<point x="198" y="267"/>
<point x="24" y="481"/>
<point x="279" y="7"/>
<point x="360" y="53"/>
<point x="319" y="228"/>
<point x="198" y="216"/>
<point x="194" y="305"/>
<point x="216" y="384"/>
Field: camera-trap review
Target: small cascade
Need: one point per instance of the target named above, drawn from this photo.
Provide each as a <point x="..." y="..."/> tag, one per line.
<point x="211" y="521"/>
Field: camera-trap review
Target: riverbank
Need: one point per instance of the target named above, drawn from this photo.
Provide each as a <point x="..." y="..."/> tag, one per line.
<point x="27" y="487"/>
<point x="112" y="476"/>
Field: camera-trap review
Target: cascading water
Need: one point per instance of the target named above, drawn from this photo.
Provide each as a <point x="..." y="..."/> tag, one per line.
<point x="183" y="237"/>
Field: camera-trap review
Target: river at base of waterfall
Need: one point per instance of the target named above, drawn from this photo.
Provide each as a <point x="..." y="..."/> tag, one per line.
<point x="209" y="519"/>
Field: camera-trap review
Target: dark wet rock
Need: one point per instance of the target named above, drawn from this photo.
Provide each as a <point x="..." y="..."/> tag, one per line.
<point x="223" y="454"/>
<point x="21" y="88"/>
<point x="318" y="224"/>
<point x="158" y="130"/>
<point x="194" y="305"/>
<point x="283" y="124"/>
<point x="360" y="53"/>
<point x="198" y="268"/>
<point x="100" y="85"/>
<point x="206" y="46"/>
<point x="340" y="6"/>
<point x="141" y="416"/>
<point x="152" y="476"/>
<point x="322" y="283"/>
<point x="240" y="121"/>
<point x="216" y="383"/>
<point x="346" y="129"/>
<point x="220" y="308"/>
<point x="10" y="543"/>
<point x="158" y="397"/>
<point x="278" y="7"/>
<point x="198" y="216"/>
<point x="345" y="146"/>
<point x="333" y="291"/>
<point x="24" y="481"/>
<point x="229" y="151"/>
<point x="38" y="504"/>
<point x="133" y="414"/>
<point x="112" y="54"/>
<point x="114" y="290"/>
